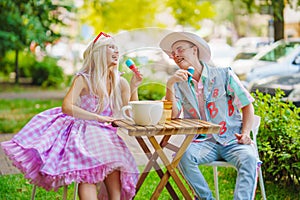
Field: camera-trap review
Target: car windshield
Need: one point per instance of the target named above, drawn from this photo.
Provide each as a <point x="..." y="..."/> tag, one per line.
<point x="280" y="51"/>
<point x="244" y="55"/>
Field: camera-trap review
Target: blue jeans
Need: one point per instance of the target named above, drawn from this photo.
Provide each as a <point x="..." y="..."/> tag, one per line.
<point x="243" y="157"/>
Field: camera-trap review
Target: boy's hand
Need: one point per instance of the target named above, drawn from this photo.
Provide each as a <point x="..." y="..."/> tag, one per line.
<point x="243" y="138"/>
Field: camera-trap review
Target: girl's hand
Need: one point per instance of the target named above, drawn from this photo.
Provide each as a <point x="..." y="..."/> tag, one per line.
<point x="136" y="79"/>
<point x="104" y="119"/>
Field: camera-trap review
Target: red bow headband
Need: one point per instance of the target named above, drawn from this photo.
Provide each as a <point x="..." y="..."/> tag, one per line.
<point x="99" y="35"/>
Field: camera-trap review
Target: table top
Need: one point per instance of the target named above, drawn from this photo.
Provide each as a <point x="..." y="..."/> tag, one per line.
<point x="172" y="127"/>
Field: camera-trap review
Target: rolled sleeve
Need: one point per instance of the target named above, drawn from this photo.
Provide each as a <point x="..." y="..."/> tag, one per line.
<point x="241" y="96"/>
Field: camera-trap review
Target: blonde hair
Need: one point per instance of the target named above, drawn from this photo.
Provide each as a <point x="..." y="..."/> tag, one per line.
<point x="98" y="74"/>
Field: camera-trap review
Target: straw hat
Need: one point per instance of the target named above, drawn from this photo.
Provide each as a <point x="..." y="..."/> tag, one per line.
<point x="203" y="48"/>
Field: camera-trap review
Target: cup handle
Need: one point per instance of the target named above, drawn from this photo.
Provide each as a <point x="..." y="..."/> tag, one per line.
<point x="124" y="108"/>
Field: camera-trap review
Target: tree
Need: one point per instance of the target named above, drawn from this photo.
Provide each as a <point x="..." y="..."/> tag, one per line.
<point x="116" y="15"/>
<point x="276" y="9"/>
<point x="24" y="22"/>
<point x="190" y="13"/>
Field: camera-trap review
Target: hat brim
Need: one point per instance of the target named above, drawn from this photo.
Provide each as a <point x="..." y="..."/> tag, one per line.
<point x="204" y="50"/>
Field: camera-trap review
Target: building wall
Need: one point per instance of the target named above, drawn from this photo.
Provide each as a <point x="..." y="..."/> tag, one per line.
<point x="292" y="30"/>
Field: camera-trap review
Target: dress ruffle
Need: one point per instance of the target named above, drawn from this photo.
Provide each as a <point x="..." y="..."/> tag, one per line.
<point x="29" y="163"/>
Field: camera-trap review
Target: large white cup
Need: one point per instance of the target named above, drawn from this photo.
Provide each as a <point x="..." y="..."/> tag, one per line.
<point x="144" y="112"/>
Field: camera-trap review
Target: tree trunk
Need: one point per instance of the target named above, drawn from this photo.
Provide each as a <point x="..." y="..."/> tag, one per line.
<point x="17" y="67"/>
<point x="278" y="7"/>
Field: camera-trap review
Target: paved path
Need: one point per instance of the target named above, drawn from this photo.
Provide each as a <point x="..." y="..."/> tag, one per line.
<point x="6" y="166"/>
<point x="38" y="94"/>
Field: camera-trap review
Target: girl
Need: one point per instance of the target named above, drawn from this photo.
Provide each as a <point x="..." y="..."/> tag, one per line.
<point x="77" y="142"/>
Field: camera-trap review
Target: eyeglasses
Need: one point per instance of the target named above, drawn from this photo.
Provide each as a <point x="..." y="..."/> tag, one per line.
<point x="179" y="50"/>
<point x="99" y="35"/>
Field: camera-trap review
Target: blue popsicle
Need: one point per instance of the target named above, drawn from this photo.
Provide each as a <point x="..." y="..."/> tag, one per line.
<point x="191" y="70"/>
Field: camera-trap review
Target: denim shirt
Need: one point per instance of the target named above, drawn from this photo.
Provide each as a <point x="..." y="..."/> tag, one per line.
<point x="224" y="96"/>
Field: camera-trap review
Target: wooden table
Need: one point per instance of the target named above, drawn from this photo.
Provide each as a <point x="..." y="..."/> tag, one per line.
<point x="188" y="127"/>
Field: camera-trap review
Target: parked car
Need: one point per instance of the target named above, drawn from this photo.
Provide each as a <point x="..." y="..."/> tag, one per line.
<point x="251" y="44"/>
<point x="244" y="43"/>
<point x="289" y="84"/>
<point x="279" y="57"/>
<point x="244" y="55"/>
<point x="247" y="47"/>
<point x="288" y="65"/>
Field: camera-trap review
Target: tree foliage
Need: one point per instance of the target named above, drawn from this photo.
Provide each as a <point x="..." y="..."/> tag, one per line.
<point x="27" y="21"/>
<point x="117" y="15"/>
<point x="276" y="8"/>
<point x="190" y="13"/>
<point x="24" y="21"/>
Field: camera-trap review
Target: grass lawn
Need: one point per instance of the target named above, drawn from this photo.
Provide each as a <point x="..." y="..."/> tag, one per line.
<point x="14" y="114"/>
<point x="15" y="187"/>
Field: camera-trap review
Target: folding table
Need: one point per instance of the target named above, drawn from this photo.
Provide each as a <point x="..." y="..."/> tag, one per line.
<point x="187" y="127"/>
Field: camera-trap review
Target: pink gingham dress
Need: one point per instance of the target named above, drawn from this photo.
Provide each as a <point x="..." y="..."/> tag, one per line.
<point x="56" y="149"/>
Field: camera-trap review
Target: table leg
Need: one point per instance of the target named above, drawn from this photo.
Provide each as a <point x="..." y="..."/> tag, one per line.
<point x="171" y="166"/>
<point x="152" y="163"/>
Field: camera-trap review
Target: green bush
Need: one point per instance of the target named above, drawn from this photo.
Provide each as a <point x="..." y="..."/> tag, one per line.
<point x="47" y="73"/>
<point x="278" y="139"/>
<point x="151" y="91"/>
<point x="7" y="62"/>
<point x="26" y="60"/>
